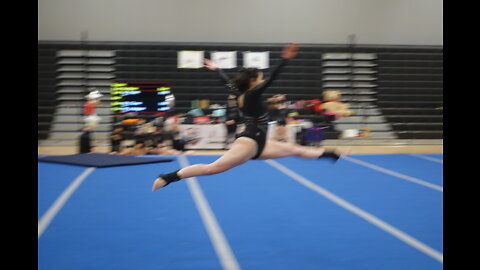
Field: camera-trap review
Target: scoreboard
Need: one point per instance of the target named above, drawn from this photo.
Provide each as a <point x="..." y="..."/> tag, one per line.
<point x="141" y="97"/>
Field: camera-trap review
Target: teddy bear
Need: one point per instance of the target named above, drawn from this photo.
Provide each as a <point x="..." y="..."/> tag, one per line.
<point x="331" y="104"/>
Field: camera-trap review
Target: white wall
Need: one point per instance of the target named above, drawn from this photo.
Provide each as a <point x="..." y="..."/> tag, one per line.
<point x="390" y="22"/>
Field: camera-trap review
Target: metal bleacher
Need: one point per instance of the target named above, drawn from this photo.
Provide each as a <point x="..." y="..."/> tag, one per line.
<point x="411" y="92"/>
<point x="46" y="90"/>
<point x="77" y="70"/>
<point x="354" y="75"/>
<point x="405" y="102"/>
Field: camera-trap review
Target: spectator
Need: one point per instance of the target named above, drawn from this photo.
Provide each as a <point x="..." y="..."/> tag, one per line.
<point x="138" y="149"/>
<point x="90" y="116"/>
<point x="162" y="149"/>
<point x="232" y="119"/>
<point x="172" y="129"/>
<point x="233" y="113"/>
<point x="278" y="112"/>
<point x="116" y="138"/>
<point x="278" y="108"/>
<point x="86" y="140"/>
<point x="144" y="132"/>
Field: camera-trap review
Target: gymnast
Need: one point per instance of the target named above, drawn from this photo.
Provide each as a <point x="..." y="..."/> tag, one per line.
<point x="252" y="142"/>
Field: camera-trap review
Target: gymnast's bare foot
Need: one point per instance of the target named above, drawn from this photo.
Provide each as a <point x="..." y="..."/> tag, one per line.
<point x="159" y="183"/>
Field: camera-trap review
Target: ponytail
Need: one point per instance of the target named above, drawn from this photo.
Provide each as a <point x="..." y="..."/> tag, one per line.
<point x="242" y="80"/>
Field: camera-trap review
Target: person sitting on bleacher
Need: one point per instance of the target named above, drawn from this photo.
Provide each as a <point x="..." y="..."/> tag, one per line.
<point x="116" y="139"/>
<point x="278" y="108"/>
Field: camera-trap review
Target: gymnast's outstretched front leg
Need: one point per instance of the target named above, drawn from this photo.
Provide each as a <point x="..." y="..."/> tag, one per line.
<point x="242" y="150"/>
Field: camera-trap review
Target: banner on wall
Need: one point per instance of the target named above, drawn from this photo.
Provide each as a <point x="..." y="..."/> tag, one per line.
<point x="204" y="136"/>
<point x="258" y="60"/>
<point x="190" y="59"/>
<point x="213" y="136"/>
<point x="224" y="60"/>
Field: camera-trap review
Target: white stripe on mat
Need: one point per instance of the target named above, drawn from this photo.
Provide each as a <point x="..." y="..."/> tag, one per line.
<point x="359" y="212"/>
<point x="60" y="201"/>
<point x="428" y="158"/>
<point x="220" y="244"/>
<point x="396" y="174"/>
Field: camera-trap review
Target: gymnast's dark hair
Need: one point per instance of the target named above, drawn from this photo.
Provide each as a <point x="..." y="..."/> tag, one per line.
<point x="242" y="80"/>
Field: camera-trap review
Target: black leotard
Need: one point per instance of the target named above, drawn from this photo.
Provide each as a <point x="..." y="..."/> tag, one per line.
<point x="255" y="111"/>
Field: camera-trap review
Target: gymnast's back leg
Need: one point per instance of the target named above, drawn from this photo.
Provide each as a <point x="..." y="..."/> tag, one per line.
<point x="275" y="149"/>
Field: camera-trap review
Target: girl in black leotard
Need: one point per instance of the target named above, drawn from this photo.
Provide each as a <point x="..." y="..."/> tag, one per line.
<point x="254" y="110"/>
<point x="252" y="143"/>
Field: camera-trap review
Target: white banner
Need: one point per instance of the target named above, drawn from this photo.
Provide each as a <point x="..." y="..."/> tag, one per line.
<point x="190" y="59"/>
<point x="224" y="60"/>
<point x="204" y="136"/>
<point x="258" y="60"/>
<point x="282" y="133"/>
<point x="214" y="136"/>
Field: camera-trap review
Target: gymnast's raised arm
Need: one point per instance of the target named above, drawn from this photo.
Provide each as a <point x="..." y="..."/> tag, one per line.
<point x="288" y="52"/>
<point x="212" y="66"/>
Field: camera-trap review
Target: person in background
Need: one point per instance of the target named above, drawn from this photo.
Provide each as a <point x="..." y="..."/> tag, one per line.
<point x="86" y="140"/>
<point x="278" y="108"/>
<point x="172" y="128"/>
<point x="91" y="117"/>
<point x="162" y="149"/>
<point x="278" y="112"/>
<point x="138" y="149"/>
<point x="233" y="115"/>
<point x="116" y="138"/>
<point x="232" y="119"/>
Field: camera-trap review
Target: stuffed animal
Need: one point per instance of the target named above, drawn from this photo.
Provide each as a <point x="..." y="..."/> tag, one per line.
<point x="314" y="104"/>
<point x="332" y="104"/>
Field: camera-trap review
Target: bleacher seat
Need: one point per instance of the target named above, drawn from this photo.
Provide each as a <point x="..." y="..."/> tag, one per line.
<point x="409" y="80"/>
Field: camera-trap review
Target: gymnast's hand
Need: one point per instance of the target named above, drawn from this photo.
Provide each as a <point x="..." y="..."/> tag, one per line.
<point x="290" y="50"/>
<point x="210" y="64"/>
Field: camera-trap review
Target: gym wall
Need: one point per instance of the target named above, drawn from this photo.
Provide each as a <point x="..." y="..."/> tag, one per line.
<point x="383" y="22"/>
